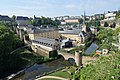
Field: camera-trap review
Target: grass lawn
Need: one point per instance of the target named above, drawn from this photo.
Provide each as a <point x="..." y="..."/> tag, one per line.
<point x="60" y="74"/>
<point x="63" y="74"/>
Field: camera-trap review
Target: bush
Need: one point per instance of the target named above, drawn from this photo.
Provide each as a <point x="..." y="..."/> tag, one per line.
<point x="113" y="25"/>
<point x="106" y="68"/>
<point x="106" y="24"/>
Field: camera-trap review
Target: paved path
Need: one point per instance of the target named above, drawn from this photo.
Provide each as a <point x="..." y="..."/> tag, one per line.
<point x="51" y="77"/>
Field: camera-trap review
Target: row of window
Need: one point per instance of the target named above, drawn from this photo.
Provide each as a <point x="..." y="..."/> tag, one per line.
<point x="42" y="43"/>
<point x="46" y="44"/>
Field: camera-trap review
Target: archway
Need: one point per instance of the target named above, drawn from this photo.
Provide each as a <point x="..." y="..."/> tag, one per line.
<point x="60" y="56"/>
<point x="71" y="61"/>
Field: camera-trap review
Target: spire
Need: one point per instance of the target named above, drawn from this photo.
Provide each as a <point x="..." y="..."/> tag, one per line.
<point x="34" y="17"/>
<point x="84" y="18"/>
<point x="84" y="26"/>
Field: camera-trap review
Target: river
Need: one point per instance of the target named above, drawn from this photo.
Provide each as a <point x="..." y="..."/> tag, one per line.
<point x="39" y="69"/>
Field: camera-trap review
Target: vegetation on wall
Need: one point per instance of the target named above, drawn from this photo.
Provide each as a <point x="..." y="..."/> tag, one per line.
<point x="106" y="68"/>
<point x="13" y="62"/>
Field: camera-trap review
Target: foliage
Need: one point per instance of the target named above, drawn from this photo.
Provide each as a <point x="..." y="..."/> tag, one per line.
<point x="106" y="37"/>
<point x="64" y="73"/>
<point x="9" y="42"/>
<point x="116" y="33"/>
<point x="80" y="20"/>
<point x="30" y="57"/>
<point x="105" y="34"/>
<point x="14" y="17"/>
<point x="89" y="41"/>
<point x="95" y="23"/>
<point x="118" y="14"/>
<point x="106" y="24"/>
<point x="17" y="60"/>
<point x="44" y="21"/>
<point x="113" y="25"/>
<point x="106" y="68"/>
<point x="78" y="48"/>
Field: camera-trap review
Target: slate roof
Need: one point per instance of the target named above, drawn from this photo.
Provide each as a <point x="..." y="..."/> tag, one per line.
<point x="45" y="40"/>
<point x="73" y="31"/>
<point x="22" y="18"/>
<point x="35" y="31"/>
<point x="91" y="48"/>
<point x="4" y="17"/>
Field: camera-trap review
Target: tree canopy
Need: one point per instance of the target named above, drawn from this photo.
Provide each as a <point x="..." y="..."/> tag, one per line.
<point x="80" y="20"/>
<point x="106" y="68"/>
<point x="8" y="42"/>
<point x="44" y="21"/>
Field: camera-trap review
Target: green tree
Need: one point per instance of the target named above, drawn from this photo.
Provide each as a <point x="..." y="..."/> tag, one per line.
<point x="105" y="68"/>
<point x="113" y="25"/>
<point x="80" y="20"/>
<point x="118" y="14"/>
<point x="106" y="24"/>
<point x="8" y="41"/>
<point x="14" y="17"/>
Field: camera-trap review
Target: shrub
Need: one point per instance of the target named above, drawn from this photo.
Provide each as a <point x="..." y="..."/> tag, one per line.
<point x="106" y="24"/>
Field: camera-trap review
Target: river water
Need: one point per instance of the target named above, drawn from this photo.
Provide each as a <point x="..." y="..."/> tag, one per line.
<point x="39" y="69"/>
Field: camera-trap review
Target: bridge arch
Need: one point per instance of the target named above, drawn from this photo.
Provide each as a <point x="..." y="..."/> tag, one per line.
<point x="71" y="60"/>
<point x="60" y="56"/>
<point x="77" y="57"/>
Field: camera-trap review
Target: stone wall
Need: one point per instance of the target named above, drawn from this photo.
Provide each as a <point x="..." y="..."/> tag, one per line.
<point x="43" y="52"/>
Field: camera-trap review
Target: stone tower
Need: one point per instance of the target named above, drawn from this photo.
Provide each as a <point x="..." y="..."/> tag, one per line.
<point x="78" y="58"/>
<point x="21" y="33"/>
<point x="84" y="26"/>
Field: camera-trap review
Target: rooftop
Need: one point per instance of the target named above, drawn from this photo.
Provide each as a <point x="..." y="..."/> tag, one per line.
<point x="22" y="18"/>
<point x="73" y="31"/>
<point x="4" y="17"/>
<point x="35" y="31"/>
<point x="46" y="40"/>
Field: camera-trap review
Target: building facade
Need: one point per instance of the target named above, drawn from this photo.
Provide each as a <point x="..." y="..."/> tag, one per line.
<point x="75" y="35"/>
<point x="110" y="15"/>
<point x="45" y="47"/>
<point x="72" y="20"/>
<point x="44" y="33"/>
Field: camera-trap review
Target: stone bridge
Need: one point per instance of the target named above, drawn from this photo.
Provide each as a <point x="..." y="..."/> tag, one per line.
<point x="77" y="57"/>
<point x="66" y="55"/>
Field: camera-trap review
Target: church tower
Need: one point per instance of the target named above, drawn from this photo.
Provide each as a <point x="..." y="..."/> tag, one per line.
<point x="84" y="26"/>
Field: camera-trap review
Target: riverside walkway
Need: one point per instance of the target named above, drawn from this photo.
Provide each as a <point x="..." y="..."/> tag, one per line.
<point x="51" y="77"/>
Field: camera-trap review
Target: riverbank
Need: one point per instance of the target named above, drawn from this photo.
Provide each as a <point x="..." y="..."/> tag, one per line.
<point x="38" y="70"/>
<point x="67" y="72"/>
<point x="28" y="58"/>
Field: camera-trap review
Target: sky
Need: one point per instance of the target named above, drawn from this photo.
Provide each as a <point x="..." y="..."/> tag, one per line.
<point x="53" y="8"/>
